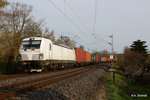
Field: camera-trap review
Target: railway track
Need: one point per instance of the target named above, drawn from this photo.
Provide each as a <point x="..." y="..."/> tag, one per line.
<point x="23" y="87"/>
<point x="32" y="81"/>
<point x="11" y="81"/>
<point x="6" y="77"/>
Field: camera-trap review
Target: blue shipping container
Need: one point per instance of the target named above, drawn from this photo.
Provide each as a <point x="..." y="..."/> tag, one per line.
<point x="99" y="58"/>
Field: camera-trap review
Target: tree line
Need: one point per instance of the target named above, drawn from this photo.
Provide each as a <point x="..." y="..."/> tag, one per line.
<point x="135" y="61"/>
<point x="17" y="23"/>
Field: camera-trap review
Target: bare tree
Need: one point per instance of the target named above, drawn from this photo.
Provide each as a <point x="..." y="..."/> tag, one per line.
<point x="16" y="23"/>
<point x="46" y="32"/>
<point x="95" y="52"/>
<point x="66" y="40"/>
<point x="3" y="3"/>
<point x="52" y="36"/>
<point x="133" y="64"/>
<point x="19" y="16"/>
<point x="81" y="47"/>
<point x="104" y="53"/>
<point x="32" y="29"/>
<point x="12" y="26"/>
<point x="49" y="35"/>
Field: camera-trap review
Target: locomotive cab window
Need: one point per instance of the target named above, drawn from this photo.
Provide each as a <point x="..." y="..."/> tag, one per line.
<point x="49" y="46"/>
<point x="30" y="44"/>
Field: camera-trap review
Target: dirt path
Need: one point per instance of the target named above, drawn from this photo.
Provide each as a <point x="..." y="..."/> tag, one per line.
<point x="101" y="93"/>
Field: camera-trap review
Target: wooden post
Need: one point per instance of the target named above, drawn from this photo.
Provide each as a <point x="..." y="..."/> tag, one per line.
<point x="114" y="78"/>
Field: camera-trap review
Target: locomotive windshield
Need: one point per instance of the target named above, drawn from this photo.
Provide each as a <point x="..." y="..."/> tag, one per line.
<point x="30" y="44"/>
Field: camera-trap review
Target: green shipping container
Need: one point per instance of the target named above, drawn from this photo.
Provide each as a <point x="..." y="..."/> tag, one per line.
<point x="107" y="59"/>
<point x="101" y="59"/>
<point x="93" y="58"/>
<point x="104" y="59"/>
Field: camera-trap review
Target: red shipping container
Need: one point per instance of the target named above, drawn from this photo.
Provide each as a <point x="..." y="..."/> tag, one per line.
<point x="96" y="58"/>
<point x="104" y="59"/>
<point x="110" y="60"/>
<point x="114" y="60"/>
<point x="80" y="55"/>
<point x="88" y="57"/>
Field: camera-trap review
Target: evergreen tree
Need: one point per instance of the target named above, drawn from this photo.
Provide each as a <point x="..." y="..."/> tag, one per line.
<point x="134" y="62"/>
<point x="140" y="47"/>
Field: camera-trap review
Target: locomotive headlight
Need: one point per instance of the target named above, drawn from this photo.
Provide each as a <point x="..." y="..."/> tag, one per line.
<point x="41" y="56"/>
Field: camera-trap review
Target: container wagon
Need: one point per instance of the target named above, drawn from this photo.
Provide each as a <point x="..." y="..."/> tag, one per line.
<point x="96" y="58"/>
<point x="80" y="57"/>
<point x="99" y="58"/>
<point x="103" y="59"/>
<point x="88" y="58"/>
<point x="92" y="58"/>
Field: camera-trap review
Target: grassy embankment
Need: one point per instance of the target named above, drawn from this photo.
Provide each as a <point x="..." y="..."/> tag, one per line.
<point x="123" y="89"/>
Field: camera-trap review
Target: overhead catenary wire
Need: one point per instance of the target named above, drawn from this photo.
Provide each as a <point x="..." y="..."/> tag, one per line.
<point x="58" y="25"/>
<point x="104" y="35"/>
<point x="100" y="44"/>
<point x="95" y="14"/>
<point x="94" y="23"/>
<point x="78" y="17"/>
<point x="52" y="21"/>
<point x="70" y="19"/>
<point x="67" y="18"/>
<point x="102" y="39"/>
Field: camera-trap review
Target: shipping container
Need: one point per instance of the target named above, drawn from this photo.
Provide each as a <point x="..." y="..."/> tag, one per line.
<point x="99" y="58"/>
<point x="88" y="57"/>
<point x="110" y="60"/>
<point x="104" y="59"/>
<point x="114" y="60"/>
<point x="107" y="59"/>
<point x="93" y="58"/>
<point x="96" y="58"/>
<point x="80" y="55"/>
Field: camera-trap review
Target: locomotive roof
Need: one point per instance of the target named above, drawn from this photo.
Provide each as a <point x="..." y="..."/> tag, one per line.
<point x="36" y="38"/>
<point x="39" y="38"/>
<point x="62" y="45"/>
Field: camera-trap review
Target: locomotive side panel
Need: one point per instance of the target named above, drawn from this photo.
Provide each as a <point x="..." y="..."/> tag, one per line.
<point x="62" y="53"/>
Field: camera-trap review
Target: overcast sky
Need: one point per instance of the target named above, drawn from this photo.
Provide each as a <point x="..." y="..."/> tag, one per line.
<point x="127" y="20"/>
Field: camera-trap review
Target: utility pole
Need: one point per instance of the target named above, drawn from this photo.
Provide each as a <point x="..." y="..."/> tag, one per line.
<point x="112" y="45"/>
<point x="112" y="50"/>
<point x="61" y="37"/>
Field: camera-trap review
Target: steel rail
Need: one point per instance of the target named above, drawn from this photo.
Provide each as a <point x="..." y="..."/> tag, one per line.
<point x="20" y="90"/>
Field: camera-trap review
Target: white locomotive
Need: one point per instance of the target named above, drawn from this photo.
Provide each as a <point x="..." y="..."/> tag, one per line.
<point x="39" y="54"/>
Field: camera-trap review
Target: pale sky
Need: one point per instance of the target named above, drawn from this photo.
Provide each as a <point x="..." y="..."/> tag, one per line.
<point x="128" y="20"/>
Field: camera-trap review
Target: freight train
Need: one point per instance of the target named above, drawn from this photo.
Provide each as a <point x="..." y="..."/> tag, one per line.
<point x="41" y="54"/>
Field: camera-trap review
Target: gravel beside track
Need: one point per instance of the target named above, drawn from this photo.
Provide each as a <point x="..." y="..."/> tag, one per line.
<point x="82" y="87"/>
<point x="31" y="77"/>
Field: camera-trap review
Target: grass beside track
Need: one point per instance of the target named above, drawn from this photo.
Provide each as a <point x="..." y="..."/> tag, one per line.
<point x="123" y="89"/>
